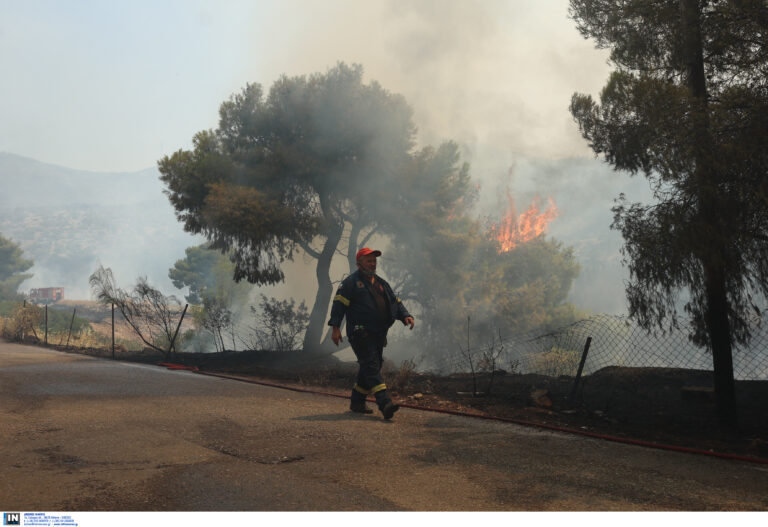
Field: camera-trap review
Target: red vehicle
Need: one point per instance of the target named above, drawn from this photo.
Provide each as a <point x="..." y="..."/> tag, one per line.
<point x="46" y="295"/>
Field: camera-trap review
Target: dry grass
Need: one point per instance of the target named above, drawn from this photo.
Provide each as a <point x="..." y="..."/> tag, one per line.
<point x="557" y="361"/>
<point x="122" y="330"/>
<point x="400" y="379"/>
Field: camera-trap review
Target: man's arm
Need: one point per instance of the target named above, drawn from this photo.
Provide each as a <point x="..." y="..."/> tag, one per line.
<point x="336" y="335"/>
<point x="402" y="313"/>
<point x="338" y="310"/>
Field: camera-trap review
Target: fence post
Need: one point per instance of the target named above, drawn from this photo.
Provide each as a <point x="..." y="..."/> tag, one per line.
<point x="113" y="330"/>
<point x="71" y="324"/>
<point x="581" y="368"/>
<point x="46" y="324"/>
<point x="177" y="330"/>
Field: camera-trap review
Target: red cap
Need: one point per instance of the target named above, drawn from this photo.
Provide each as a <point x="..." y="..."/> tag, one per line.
<point x="366" y="250"/>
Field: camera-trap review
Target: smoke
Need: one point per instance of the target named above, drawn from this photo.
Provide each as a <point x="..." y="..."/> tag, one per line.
<point x="495" y="77"/>
<point x="69" y="222"/>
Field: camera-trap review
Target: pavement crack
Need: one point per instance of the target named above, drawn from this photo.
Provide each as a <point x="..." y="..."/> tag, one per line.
<point x="222" y="449"/>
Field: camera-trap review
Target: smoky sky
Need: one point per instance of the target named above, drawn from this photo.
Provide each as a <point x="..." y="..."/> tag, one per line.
<point x="494" y="76"/>
<point x="115" y="86"/>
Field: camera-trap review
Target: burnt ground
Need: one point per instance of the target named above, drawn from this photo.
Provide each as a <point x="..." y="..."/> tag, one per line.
<point x="661" y="405"/>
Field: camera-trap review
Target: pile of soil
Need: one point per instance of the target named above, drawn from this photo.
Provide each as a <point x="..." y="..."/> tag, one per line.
<point x="660" y="405"/>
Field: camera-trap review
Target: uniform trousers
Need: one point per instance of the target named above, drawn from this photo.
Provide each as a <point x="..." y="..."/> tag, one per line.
<point x="369" y="350"/>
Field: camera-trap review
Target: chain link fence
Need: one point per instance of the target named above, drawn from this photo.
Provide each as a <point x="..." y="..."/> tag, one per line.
<point x="88" y="327"/>
<point x="614" y="341"/>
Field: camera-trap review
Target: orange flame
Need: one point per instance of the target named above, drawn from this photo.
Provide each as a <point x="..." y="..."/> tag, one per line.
<point x="515" y="230"/>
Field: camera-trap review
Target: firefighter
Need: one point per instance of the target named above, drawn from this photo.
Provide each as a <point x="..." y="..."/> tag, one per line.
<point x="371" y="308"/>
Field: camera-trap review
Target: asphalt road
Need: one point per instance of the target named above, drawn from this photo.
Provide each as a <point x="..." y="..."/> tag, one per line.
<point x="85" y="434"/>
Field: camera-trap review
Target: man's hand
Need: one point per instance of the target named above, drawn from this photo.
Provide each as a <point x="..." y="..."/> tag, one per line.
<point x="336" y="335"/>
<point x="409" y="321"/>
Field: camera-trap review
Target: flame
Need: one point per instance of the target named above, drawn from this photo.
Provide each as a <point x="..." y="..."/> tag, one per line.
<point x="515" y="229"/>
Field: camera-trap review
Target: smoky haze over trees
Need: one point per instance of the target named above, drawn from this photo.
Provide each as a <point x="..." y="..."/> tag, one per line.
<point x="450" y="265"/>
<point x="291" y="168"/>
<point x="325" y="164"/>
<point x="70" y="221"/>
<point x="687" y="107"/>
<point x="217" y="298"/>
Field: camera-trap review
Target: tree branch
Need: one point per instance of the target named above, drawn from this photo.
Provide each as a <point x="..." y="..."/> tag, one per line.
<point x="368" y="236"/>
<point x="309" y="250"/>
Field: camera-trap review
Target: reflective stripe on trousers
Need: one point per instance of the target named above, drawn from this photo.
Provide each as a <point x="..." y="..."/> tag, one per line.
<point x="369" y="351"/>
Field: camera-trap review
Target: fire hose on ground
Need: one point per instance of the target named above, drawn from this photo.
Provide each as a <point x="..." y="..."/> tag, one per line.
<point x="555" y="428"/>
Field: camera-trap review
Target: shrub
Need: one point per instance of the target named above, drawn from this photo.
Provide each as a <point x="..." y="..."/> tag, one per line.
<point x="556" y="361"/>
<point x="278" y="324"/>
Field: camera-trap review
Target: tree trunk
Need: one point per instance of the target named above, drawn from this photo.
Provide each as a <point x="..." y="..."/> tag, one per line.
<point x="711" y="254"/>
<point x="719" y="330"/>
<point x="354" y="233"/>
<point x="317" y="318"/>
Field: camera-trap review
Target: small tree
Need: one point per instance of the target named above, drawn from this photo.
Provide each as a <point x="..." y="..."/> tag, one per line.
<point x="208" y="275"/>
<point x="215" y="317"/>
<point x="12" y="267"/>
<point x="490" y="358"/>
<point x="151" y="314"/>
<point x="470" y="357"/>
<point x="278" y="324"/>
<point x="22" y="323"/>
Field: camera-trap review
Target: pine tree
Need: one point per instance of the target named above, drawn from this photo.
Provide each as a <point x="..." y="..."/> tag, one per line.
<point x="688" y="107"/>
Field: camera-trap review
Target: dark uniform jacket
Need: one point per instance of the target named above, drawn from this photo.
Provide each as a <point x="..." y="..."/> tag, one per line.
<point x="355" y="300"/>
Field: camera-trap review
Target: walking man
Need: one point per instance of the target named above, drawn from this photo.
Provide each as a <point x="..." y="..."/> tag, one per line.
<point x="371" y="308"/>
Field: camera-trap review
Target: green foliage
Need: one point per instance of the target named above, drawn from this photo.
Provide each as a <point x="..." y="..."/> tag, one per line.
<point x="12" y="267"/>
<point x="275" y="172"/>
<point x="207" y="273"/>
<point x="194" y="271"/>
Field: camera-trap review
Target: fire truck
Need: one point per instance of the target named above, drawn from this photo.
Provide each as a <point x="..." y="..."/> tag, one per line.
<point x="46" y="295"/>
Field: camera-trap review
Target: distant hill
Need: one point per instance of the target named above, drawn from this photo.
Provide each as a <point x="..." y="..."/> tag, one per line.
<point x="70" y="221"/>
<point x="29" y="183"/>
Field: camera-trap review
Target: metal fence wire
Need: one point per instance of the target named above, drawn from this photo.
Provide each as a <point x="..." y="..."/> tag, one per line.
<point x="615" y="341"/>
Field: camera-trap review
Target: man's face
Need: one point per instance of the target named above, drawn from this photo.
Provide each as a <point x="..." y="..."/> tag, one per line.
<point x="367" y="264"/>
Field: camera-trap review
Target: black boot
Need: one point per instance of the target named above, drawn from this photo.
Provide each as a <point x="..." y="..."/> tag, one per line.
<point x="360" y="407"/>
<point x="389" y="410"/>
<point x="387" y="407"/>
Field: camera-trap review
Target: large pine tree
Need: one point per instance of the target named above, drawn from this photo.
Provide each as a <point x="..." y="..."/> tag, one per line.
<point x="292" y="170"/>
<point x="688" y="107"/>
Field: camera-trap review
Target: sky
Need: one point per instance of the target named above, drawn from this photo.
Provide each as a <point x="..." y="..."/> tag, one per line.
<point x="115" y="86"/>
